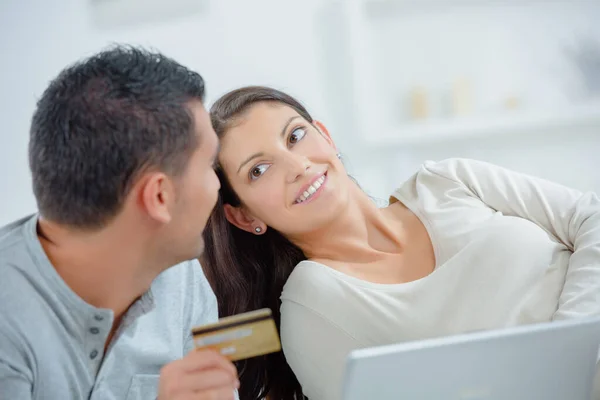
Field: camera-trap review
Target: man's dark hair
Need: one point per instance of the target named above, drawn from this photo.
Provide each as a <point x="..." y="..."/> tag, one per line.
<point x="102" y="122"/>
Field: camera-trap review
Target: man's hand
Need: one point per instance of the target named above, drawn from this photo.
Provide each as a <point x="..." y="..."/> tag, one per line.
<point x="201" y="375"/>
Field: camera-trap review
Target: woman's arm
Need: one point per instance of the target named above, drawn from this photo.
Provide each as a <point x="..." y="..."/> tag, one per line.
<point x="570" y="216"/>
<point x="316" y="350"/>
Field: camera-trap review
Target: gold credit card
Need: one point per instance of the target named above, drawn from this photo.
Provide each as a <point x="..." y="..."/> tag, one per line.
<point x="240" y="336"/>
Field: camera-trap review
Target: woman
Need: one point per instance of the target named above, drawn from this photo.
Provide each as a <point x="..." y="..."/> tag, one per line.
<point x="463" y="246"/>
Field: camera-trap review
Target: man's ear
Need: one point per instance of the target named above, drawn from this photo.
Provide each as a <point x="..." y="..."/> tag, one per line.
<point x="156" y="196"/>
<point x="323" y="129"/>
<point x="240" y="217"/>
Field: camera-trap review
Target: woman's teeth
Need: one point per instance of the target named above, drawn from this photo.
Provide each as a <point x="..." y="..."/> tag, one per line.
<point x="312" y="189"/>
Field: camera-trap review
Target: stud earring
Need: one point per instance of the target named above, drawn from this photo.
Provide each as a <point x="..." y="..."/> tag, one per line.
<point x="339" y="155"/>
<point x="258" y="229"/>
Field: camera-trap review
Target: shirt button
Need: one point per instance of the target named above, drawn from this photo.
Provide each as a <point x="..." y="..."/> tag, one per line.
<point x="94" y="330"/>
<point x="98" y="317"/>
<point x="93" y="354"/>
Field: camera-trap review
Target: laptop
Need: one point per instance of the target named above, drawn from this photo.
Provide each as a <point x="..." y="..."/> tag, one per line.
<point x="549" y="361"/>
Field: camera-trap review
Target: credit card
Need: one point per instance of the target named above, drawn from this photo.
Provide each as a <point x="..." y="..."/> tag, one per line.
<point x="241" y="336"/>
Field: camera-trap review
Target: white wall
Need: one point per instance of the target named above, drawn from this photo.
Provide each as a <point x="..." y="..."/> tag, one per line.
<point x="233" y="43"/>
<point x="293" y="45"/>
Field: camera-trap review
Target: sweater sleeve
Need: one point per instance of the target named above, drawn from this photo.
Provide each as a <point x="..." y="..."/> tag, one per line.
<point x="571" y="217"/>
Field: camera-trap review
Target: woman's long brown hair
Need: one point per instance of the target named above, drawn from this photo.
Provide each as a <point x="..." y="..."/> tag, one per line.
<point x="248" y="271"/>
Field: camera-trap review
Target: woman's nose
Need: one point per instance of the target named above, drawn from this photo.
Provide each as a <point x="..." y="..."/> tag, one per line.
<point x="298" y="167"/>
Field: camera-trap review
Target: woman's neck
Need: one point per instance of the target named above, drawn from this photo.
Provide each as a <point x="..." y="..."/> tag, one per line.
<point x="361" y="233"/>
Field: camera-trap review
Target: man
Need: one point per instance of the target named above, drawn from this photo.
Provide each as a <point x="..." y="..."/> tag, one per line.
<point x="91" y="307"/>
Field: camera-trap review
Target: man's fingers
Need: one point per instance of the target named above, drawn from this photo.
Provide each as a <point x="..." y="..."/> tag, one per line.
<point x="204" y="359"/>
<point x="202" y="374"/>
<point x="217" y="394"/>
<point x="214" y="378"/>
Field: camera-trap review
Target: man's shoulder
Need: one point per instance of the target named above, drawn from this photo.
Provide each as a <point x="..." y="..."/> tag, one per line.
<point x="21" y="314"/>
<point x="12" y="237"/>
<point x="185" y="282"/>
<point x="16" y="266"/>
<point x="187" y="276"/>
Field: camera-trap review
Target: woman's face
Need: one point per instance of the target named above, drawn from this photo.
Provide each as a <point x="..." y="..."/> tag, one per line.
<point x="285" y="171"/>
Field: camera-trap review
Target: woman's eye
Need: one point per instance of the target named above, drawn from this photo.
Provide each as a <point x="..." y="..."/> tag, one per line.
<point x="257" y="171"/>
<point x="297" y="135"/>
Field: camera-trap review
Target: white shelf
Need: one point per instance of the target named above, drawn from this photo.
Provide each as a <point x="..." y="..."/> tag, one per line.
<point x="439" y="133"/>
<point x="391" y="4"/>
<point x="365" y="49"/>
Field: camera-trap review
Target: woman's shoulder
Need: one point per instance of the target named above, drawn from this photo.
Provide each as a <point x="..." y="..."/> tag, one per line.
<point x="311" y="284"/>
<point x="307" y="278"/>
<point x="440" y="179"/>
<point x="454" y="170"/>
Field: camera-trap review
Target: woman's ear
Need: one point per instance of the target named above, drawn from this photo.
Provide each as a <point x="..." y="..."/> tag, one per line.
<point x="238" y="216"/>
<point x="323" y="129"/>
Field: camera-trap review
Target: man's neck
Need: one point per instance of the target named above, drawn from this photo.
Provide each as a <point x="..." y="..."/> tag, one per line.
<point x="107" y="268"/>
